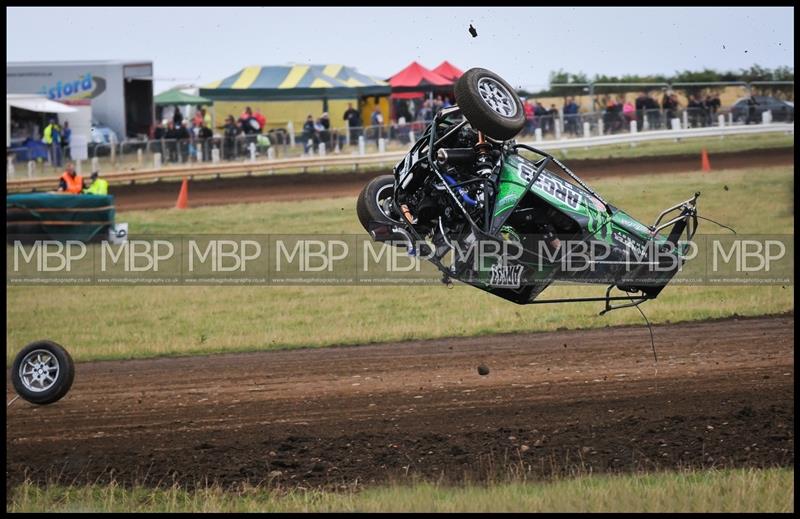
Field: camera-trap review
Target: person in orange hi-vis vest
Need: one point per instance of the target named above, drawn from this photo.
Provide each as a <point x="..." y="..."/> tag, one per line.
<point x="70" y="182"/>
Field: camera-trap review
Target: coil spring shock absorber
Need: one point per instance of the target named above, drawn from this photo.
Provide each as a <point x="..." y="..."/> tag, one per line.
<point x="483" y="157"/>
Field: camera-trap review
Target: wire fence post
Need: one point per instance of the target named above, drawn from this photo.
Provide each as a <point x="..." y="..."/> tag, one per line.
<point x="290" y="131"/>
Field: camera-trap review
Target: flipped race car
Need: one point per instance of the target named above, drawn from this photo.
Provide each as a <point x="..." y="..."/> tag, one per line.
<point x="465" y="188"/>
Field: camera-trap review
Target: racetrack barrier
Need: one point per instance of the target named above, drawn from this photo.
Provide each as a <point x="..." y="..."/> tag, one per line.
<point x="380" y="159"/>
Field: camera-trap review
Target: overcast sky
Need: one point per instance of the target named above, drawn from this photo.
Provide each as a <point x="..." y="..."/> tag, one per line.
<point x="199" y="45"/>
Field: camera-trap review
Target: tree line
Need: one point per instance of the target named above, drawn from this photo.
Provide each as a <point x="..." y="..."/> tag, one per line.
<point x="754" y="73"/>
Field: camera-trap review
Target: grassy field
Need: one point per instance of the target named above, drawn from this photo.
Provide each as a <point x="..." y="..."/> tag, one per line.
<point x="129" y="162"/>
<point x="769" y="490"/>
<point x="144" y="321"/>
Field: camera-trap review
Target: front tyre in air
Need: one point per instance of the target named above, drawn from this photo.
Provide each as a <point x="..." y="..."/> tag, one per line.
<point x="490" y="104"/>
<point x="42" y="372"/>
<point x="374" y="205"/>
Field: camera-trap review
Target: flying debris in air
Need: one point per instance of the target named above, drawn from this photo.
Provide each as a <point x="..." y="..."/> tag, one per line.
<point x="473" y="31"/>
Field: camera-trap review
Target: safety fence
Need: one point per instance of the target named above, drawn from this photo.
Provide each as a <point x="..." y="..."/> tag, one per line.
<point x="39" y="160"/>
<point x="354" y="162"/>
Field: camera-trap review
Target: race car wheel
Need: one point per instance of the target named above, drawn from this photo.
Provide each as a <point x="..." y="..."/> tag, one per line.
<point x="490" y="104"/>
<point x="42" y="372"/>
<point x="374" y="202"/>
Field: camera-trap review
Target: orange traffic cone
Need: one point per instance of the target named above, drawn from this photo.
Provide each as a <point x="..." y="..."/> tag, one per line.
<point x="183" y="196"/>
<point x="704" y="162"/>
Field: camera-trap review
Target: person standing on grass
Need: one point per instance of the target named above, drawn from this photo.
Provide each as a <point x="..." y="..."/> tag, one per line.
<point x="99" y="186"/>
<point x="66" y="138"/>
<point x="309" y="134"/>
<point x="353" y="119"/>
<point x="377" y="122"/>
<point x="52" y="138"/>
<point x="70" y="182"/>
<point x="230" y="132"/>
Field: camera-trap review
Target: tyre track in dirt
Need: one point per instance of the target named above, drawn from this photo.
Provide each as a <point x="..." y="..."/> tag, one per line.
<point x="553" y="403"/>
<point x="291" y="187"/>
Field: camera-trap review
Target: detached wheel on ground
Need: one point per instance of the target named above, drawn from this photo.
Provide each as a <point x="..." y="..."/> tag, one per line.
<point x="42" y="372"/>
<point x="490" y="104"/>
<point x="374" y="203"/>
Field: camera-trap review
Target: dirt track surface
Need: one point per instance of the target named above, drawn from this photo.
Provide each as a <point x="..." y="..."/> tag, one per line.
<point x="269" y="188"/>
<point x="723" y="396"/>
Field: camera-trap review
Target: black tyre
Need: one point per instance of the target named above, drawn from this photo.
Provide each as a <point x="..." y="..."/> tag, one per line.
<point x="373" y="205"/>
<point x="490" y="104"/>
<point x="42" y="372"/>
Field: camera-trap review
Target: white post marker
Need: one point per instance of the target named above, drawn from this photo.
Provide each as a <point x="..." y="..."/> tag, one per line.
<point x="645" y="121"/>
<point x="766" y="117"/>
<point x="310" y="146"/>
<point x="270" y="153"/>
<point x="95" y="164"/>
<point x="156" y="161"/>
<point x="290" y="131"/>
<point x="361" y="145"/>
<point x="538" y="134"/>
<point x="600" y="127"/>
<point x="686" y="119"/>
<point x="31" y="168"/>
<point x="77" y="166"/>
<point x="139" y="157"/>
<point x="411" y="136"/>
<point x="587" y="130"/>
<point x="252" y="148"/>
<point x="10" y="170"/>
<point x="676" y="123"/>
<point x="634" y="127"/>
<point x="322" y="150"/>
<point x="721" y="120"/>
<point x="347" y="132"/>
<point x="558" y="129"/>
<point x="215" y="155"/>
<point x="730" y="118"/>
<point x="381" y="145"/>
<point x="113" y="143"/>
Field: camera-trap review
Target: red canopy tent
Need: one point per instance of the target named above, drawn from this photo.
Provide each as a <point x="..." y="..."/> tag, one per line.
<point x="415" y="76"/>
<point x="448" y="71"/>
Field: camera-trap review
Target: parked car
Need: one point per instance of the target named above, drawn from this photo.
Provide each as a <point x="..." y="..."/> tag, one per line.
<point x="101" y="139"/>
<point x="782" y="111"/>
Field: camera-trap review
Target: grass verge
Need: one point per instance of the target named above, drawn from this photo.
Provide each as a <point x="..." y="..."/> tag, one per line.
<point x="145" y="321"/>
<point x="743" y="490"/>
